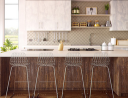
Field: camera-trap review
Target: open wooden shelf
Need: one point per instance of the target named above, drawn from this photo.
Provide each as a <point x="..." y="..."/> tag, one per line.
<point x="92" y="27"/>
<point x="91" y="15"/>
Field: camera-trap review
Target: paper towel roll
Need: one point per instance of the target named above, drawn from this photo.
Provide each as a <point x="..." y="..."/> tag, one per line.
<point x="113" y="41"/>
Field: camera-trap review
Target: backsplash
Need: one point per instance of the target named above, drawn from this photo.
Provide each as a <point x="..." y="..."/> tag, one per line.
<point x="81" y="36"/>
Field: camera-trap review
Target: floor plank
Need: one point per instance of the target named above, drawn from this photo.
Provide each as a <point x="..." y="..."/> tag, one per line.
<point x="67" y="94"/>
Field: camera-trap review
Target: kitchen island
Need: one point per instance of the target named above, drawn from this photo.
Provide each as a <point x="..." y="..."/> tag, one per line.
<point x="118" y="68"/>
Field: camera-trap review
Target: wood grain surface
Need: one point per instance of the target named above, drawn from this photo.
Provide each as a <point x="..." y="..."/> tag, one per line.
<point x="118" y="69"/>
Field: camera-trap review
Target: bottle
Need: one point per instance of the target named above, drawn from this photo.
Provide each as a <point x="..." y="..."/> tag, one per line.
<point x="77" y="10"/>
<point x="73" y="11"/>
<point x="60" y="48"/>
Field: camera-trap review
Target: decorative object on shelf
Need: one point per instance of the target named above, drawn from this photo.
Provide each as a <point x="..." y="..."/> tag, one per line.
<point x="113" y="41"/>
<point x="106" y="8"/>
<point x="60" y="48"/>
<point x="103" y="26"/>
<point x="96" y="23"/>
<point x="122" y="42"/>
<point x="74" y="10"/>
<point x="91" y="10"/>
<point x="75" y="24"/>
<point x="83" y="24"/>
<point x="108" y="24"/>
<point x="104" y="46"/>
<point x="77" y="10"/>
<point x="89" y="23"/>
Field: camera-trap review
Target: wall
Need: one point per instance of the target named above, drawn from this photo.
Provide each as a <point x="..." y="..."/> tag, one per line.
<point x="22" y="22"/>
<point x="81" y="36"/>
<point x="1" y="22"/>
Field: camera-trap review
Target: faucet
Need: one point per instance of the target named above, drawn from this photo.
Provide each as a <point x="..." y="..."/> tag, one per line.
<point x="90" y="43"/>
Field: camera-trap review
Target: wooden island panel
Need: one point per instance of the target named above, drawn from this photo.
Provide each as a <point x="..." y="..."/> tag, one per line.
<point x="118" y="68"/>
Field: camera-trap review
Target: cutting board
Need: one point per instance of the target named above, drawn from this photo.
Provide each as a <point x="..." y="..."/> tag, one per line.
<point x="122" y="42"/>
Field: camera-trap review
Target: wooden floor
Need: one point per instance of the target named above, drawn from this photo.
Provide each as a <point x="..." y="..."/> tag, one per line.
<point x="67" y="94"/>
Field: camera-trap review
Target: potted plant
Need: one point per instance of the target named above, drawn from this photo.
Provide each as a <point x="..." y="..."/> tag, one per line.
<point x="106" y="8"/>
<point x="7" y="46"/>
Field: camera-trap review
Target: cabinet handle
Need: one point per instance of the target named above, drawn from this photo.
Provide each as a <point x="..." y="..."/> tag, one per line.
<point x="42" y="25"/>
<point x="39" y="25"/>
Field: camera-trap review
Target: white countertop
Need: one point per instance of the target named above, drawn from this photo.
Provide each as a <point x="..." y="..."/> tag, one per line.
<point x="56" y="53"/>
<point x="66" y="46"/>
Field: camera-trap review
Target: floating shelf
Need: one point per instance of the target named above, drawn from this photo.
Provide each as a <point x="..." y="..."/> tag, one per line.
<point x="46" y="30"/>
<point x="91" y="15"/>
<point x="92" y="27"/>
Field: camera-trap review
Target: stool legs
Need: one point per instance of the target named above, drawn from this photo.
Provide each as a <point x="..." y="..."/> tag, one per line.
<point x="91" y="82"/>
<point x="64" y="80"/>
<point x="109" y="79"/>
<point x="9" y="81"/>
<point x="54" y="78"/>
<point x="55" y="82"/>
<point x="110" y="82"/>
<point x="82" y="80"/>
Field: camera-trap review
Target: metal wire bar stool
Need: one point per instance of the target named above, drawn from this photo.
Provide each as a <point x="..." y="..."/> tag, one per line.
<point x="18" y="60"/>
<point x="102" y="60"/>
<point x="75" y="60"/>
<point x="45" y="60"/>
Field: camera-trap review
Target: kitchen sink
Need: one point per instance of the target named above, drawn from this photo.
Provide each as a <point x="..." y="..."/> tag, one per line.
<point x="40" y="49"/>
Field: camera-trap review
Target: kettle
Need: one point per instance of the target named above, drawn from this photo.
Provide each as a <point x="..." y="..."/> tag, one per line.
<point x="60" y="48"/>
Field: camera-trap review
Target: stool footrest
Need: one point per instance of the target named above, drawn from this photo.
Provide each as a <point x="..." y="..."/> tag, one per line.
<point x="22" y="81"/>
<point x="46" y="81"/>
<point x="97" y="81"/>
<point x="73" y="81"/>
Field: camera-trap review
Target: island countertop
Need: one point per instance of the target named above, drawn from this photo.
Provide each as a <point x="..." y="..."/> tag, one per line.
<point x="56" y="53"/>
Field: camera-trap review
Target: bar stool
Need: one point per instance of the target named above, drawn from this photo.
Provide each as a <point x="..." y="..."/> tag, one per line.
<point x="18" y="60"/>
<point x="102" y="60"/>
<point x="74" y="60"/>
<point x="45" y="60"/>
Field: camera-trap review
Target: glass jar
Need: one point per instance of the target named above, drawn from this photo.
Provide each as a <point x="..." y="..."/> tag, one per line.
<point x="96" y="23"/>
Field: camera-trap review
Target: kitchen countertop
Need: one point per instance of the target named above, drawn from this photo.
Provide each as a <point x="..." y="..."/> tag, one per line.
<point x="56" y="53"/>
<point x="66" y="46"/>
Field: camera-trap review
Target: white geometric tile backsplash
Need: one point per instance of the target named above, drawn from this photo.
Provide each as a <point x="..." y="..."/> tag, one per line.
<point x="81" y="36"/>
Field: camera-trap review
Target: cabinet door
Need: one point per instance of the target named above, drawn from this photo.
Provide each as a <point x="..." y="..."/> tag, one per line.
<point x="119" y="15"/>
<point x="32" y="15"/>
<point x="63" y="15"/>
<point x="47" y="15"/>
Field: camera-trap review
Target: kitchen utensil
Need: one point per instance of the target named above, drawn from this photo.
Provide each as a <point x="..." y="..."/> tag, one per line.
<point x="62" y="37"/>
<point x="44" y="37"/>
<point x="59" y="37"/>
<point x="54" y="37"/>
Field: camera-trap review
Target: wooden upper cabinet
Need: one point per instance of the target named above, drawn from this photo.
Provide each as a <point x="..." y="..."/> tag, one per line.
<point x="63" y="15"/>
<point x="32" y="15"/>
<point x="119" y="15"/>
<point x="51" y="15"/>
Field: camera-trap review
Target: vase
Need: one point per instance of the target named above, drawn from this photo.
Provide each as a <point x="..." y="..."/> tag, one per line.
<point x="106" y="11"/>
